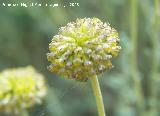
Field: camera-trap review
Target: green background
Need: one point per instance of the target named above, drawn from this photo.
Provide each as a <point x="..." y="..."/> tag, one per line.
<point x="131" y="88"/>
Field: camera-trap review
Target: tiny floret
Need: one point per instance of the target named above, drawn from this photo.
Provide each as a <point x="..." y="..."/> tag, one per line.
<point x="83" y="48"/>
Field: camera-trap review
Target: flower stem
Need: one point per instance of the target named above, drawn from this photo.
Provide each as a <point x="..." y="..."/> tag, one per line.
<point x="98" y="95"/>
<point x="153" y="92"/>
<point x="134" y="66"/>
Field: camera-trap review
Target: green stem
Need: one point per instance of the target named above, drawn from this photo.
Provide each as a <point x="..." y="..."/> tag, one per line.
<point x="135" y="76"/>
<point x="153" y="97"/>
<point x="134" y="29"/>
<point x="155" y="37"/>
<point x="98" y="95"/>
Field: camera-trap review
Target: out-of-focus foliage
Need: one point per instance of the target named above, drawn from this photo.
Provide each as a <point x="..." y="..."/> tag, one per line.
<point x="20" y="89"/>
<point x="26" y="32"/>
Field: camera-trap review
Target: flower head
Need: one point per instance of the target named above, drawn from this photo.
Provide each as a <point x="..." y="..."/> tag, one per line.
<point x="20" y="88"/>
<point x="83" y="48"/>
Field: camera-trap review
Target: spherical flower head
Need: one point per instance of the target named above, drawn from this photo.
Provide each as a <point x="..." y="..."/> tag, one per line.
<point x="83" y="48"/>
<point x="20" y="88"/>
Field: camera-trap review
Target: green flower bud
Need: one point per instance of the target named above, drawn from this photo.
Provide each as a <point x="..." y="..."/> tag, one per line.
<point x="20" y="88"/>
<point x="83" y="48"/>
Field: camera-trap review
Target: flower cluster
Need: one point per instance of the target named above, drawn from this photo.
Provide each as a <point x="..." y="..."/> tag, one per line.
<point x="20" y="88"/>
<point x="83" y="48"/>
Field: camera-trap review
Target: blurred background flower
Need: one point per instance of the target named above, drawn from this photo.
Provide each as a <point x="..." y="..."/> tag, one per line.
<point x="20" y="88"/>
